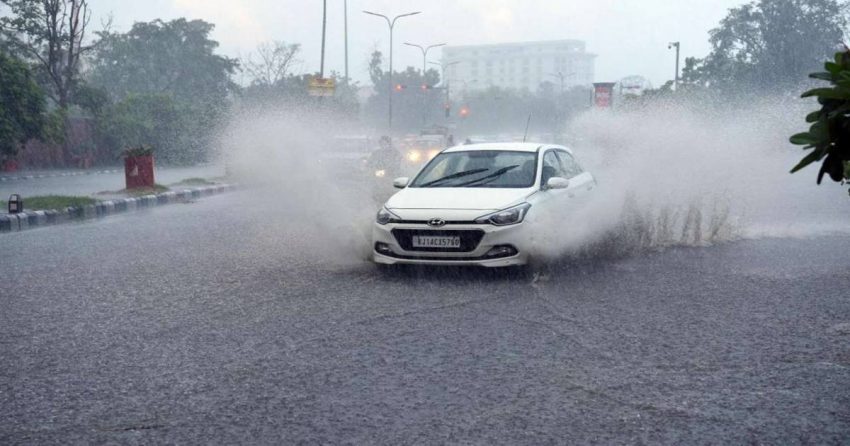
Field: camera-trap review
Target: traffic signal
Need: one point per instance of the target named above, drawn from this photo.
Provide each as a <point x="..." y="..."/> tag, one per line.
<point x="399" y="87"/>
<point x="464" y="111"/>
<point x="426" y="87"/>
<point x="448" y="109"/>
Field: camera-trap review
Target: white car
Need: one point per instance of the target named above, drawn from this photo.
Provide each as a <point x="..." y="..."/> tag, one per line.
<point x="469" y="205"/>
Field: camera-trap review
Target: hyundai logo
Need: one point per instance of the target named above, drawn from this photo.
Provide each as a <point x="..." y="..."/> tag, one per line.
<point x="436" y="222"/>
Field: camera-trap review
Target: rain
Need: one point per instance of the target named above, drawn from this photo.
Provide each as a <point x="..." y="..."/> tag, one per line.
<point x="471" y="222"/>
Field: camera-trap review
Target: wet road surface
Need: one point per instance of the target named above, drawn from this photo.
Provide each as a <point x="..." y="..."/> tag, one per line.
<point x="203" y="323"/>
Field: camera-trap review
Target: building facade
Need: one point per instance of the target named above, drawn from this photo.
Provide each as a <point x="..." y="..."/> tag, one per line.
<point x="521" y="65"/>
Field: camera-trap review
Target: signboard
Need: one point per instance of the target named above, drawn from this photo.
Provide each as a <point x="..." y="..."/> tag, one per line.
<point x="321" y="86"/>
<point x="603" y="94"/>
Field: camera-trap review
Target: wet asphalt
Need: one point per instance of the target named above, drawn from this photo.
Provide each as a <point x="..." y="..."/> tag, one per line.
<point x="205" y="323"/>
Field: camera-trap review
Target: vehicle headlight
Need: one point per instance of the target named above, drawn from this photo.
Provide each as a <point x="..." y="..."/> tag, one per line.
<point x="385" y="216"/>
<point x="414" y="156"/>
<point x="380" y="173"/>
<point x="509" y="216"/>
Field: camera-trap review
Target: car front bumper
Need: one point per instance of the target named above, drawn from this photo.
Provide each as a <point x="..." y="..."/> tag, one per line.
<point x="514" y="236"/>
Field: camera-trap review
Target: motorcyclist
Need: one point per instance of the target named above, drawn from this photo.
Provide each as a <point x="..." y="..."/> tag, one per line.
<point x="386" y="158"/>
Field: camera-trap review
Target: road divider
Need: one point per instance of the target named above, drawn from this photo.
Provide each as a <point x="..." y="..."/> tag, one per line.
<point x="34" y="219"/>
<point x="55" y="175"/>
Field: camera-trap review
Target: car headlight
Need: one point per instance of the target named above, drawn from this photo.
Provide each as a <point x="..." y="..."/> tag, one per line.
<point x="385" y="216"/>
<point x="414" y="156"/>
<point x="509" y="216"/>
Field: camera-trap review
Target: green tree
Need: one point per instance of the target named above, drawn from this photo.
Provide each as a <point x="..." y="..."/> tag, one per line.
<point x="23" y="114"/>
<point x="51" y="34"/>
<point x="417" y="99"/>
<point x="176" y="58"/>
<point x="164" y="67"/>
<point x="770" y="44"/>
<point x="828" y="137"/>
<point x="156" y="120"/>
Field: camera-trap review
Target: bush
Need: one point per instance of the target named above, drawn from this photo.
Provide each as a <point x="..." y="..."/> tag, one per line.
<point x="829" y="135"/>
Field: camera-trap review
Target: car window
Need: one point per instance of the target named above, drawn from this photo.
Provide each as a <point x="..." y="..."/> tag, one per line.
<point x="570" y="165"/>
<point x="551" y="167"/>
<point x="479" y="168"/>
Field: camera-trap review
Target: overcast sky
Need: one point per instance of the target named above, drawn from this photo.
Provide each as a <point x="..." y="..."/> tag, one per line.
<point x="629" y="36"/>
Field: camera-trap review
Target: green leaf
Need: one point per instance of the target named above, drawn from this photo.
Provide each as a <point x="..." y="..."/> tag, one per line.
<point x="828" y="93"/>
<point x="813" y="116"/>
<point x="803" y="139"/>
<point x="822" y="76"/>
<point x="834" y="67"/>
<point x="816" y="155"/>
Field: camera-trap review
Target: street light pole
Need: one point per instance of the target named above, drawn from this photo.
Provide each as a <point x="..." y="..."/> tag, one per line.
<point x="560" y="76"/>
<point x="424" y="51"/>
<point x="391" y="25"/>
<point x="676" y="78"/>
<point x="324" y="27"/>
<point x="345" y="16"/>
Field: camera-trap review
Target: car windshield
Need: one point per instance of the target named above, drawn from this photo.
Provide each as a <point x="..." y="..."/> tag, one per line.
<point x="479" y="168"/>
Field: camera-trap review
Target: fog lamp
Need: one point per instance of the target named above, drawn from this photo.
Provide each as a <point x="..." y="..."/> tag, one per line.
<point x="16" y="204"/>
<point x="501" y="251"/>
<point x="383" y="248"/>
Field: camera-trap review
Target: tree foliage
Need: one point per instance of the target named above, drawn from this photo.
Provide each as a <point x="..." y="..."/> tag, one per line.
<point x="828" y="137"/>
<point x="23" y="112"/>
<point x="169" y="87"/>
<point x="50" y="33"/>
<point x="417" y="99"/>
<point x="769" y="44"/>
<point x="155" y="120"/>
<point x="176" y="58"/>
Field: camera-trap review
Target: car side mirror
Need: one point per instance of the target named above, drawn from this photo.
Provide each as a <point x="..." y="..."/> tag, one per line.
<point x="400" y="183"/>
<point x="557" y="183"/>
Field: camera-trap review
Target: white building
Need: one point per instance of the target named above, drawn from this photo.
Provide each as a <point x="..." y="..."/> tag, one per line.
<point x="522" y="65"/>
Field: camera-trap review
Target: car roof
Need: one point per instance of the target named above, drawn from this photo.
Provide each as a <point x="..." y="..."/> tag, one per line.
<point x="506" y="146"/>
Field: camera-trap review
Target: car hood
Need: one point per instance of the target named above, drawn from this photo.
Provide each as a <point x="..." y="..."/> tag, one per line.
<point x="460" y="198"/>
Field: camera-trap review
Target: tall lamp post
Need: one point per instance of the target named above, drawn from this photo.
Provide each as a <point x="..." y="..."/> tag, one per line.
<point x="424" y="50"/>
<point x="391" y="24"/>
<point x="345" y="17"/>
<point x="676" y="78"/>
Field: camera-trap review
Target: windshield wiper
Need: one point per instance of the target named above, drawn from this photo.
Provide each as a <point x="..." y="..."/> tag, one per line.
<point x="453" y="176"/>
<point x="489" y="178"/>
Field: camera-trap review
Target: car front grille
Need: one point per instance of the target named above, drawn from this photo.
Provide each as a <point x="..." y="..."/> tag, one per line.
<point x="469" y="239"/>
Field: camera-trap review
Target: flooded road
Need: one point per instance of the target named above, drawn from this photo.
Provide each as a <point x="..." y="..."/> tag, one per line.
<point x="210" y="322"/>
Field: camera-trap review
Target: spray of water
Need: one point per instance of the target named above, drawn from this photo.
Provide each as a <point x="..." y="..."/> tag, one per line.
<point x="673" y="175"/>
<point x="286" y="159"/>
<point x="668" y="175"/>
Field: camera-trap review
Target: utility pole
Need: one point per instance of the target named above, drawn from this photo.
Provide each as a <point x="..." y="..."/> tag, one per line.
<point x="676" y="78"/>
<point x="345" y="14"/>
<point x="324" y="28"/>
<point x="391" y="25"/>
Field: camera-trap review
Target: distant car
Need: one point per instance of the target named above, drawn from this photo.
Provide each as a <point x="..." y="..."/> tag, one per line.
<point x="468" y="205"/>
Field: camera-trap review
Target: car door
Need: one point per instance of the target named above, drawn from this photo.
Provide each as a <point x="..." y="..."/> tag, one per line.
<point x="581" y="182"/>
<point x="551" y="166"/>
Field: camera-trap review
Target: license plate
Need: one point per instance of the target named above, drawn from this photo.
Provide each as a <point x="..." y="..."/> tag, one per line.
<point x="433" y="241"/>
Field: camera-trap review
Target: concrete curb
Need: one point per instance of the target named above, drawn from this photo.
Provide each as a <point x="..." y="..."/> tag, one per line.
<point x="34" y="219"/>
<point x="55" y="175"/>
